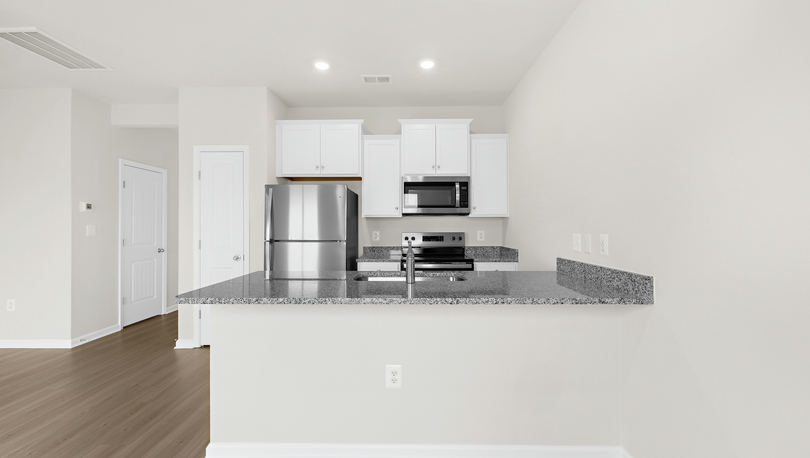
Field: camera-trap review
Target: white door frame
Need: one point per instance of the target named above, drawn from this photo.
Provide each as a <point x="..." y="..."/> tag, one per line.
<point x="164" y="174"/>
<point x="199" y="149"/>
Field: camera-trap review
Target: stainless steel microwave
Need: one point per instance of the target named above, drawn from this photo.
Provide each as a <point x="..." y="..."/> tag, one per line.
<point x="435" y="195"/>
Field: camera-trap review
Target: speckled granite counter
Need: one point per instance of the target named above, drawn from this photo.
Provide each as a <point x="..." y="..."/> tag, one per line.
<point x="477" y="253"/>
<point x="477" y="288"/>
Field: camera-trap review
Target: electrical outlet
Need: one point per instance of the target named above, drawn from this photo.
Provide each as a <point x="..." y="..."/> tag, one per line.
<point x="603" y="244"/>
<point x="11" y="305"/>
<point x="90" y="230"/>
<point x="586" y="243"/>
<point x="577" y="242"/>
<point x="393" y="376"/>
<point x="480" y="236"/>
<point x="375" y="236"/>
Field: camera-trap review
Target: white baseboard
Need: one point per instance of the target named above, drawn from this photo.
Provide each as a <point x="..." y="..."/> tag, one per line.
<point x="625" y="454"/>
<point x="81" y="340"/>
<point x="33" y="343"/>
<point x="273" y="450"/>
<point x="183" y="344"/>
<point x="171" y="308"/>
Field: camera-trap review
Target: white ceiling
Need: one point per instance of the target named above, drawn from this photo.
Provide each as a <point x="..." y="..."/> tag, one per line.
<point x="482" y="48"/>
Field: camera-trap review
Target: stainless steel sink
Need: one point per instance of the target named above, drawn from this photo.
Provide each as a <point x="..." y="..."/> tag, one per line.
<point x="402" y="279"/>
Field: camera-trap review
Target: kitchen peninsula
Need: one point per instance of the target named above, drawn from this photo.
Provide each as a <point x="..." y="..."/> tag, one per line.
<point x="490" y="358"/>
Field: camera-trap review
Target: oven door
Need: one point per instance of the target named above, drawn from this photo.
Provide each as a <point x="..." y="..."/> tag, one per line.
<point x="426" y="195"/>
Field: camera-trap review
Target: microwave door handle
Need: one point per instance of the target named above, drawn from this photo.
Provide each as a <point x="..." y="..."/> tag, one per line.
<point x="458" y="194"/>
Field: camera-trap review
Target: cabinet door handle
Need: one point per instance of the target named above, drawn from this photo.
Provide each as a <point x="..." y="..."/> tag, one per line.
<point x="438" y="166"/>
<point x="474" y="207"/>
<point x="396" y="208"/>
<point x="432" y="166"/>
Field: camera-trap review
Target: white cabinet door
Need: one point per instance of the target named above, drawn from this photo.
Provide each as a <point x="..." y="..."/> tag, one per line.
<point x="418" y="149"/>
<point x="382" y="191"/>
<point x="490" y="175"/>
<point x="452" y="149"/>
<point x="300" y="149"/>
<point x="340" y="149"/>
<point x="496" y="266"/>
<point x="372" y="266"/>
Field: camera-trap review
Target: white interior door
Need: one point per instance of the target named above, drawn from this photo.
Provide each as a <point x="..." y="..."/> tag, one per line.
<point x="222" y="242"/>
<point x="142" y="250"/>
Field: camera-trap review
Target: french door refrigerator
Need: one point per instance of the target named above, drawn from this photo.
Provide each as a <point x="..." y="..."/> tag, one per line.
<point x="310" y="231"/>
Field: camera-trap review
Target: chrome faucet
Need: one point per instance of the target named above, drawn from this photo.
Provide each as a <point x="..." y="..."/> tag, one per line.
<point x="410" y="274"/>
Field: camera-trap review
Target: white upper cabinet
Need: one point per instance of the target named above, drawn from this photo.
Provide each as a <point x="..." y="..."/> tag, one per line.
<point x="490" y="175"/>
<point x="382" y="193"/>
<point x="319" y="148"/>
<point x="435" y="146"/>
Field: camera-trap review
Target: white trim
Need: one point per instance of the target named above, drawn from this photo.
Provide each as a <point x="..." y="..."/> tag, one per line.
<point x="81" y="340"/>
<point x="245" y="150"/>
<point x="30" y="343"/>
<point x="171" y="308"/>
<point x="197" y="324"/>
<point x="625" y="454"/>
<point x="164" y="173"/>
<point x="275" y="450"/>
<point x="184" y="344"/>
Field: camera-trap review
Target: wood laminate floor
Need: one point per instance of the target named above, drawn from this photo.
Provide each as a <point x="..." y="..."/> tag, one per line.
<point x="130" y="394"/>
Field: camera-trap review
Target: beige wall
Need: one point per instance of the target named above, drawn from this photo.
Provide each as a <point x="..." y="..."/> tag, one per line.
<point x="35" y="264"/>
<point x="383" y="121"/>
<point x="96" y="147"/>
<point x="513" y="375"/>
<point x="680" y="129"/>
<point x="58" y="148"/>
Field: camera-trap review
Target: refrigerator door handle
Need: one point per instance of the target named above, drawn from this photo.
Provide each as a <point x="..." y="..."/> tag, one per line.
<point x="268" y="259"/>
<point x="268" y="213"/>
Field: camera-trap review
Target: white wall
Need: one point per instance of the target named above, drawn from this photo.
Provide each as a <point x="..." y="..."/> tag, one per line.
<point x="513" y="375"/>
<point x="383" y="121"/>
<point x="680" y="129"/>
<point x="96" y="147"/>
<point x="35" y="265"/>
<point x="224" y="116"/>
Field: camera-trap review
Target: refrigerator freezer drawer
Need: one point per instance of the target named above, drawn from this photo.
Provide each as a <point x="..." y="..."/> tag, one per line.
<point x="304" y="259"/>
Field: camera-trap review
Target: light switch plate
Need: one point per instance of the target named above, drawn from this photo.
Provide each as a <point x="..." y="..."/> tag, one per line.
<point x="586" y="243"/>
<point x="577" y="245"/>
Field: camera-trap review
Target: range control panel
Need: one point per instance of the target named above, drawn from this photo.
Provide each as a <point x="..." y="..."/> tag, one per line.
<point x="433" y="239"/>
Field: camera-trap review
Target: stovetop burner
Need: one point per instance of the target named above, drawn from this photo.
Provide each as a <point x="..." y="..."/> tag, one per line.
<point x="436" y="250"/>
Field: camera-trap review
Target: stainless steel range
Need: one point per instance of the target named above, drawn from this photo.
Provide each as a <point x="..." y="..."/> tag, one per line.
<point x="436" y="251"/>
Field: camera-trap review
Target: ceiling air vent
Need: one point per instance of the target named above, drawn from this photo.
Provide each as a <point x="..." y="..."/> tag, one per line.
<point x="374" y="79"/>
<point x="50" y="48"/>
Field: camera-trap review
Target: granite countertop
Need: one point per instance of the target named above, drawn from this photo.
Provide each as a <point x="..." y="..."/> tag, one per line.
<point x="477" y="288"/>
<point x="476" y="253"/>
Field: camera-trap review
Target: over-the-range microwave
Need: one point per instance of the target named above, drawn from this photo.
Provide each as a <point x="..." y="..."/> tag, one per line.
<point x="435" y="195"/>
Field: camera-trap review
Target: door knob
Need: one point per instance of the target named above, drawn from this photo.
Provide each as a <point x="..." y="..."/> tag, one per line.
<point x="161" y="250"/>
<point x="237" y="258"/>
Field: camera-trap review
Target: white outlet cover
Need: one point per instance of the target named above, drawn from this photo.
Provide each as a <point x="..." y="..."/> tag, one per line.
<point x="375" y="236"/>
<point x="586" y="243"/>
<point x="90" y="230"/>
<point x="603" y="244"/>
<point x="11" y="305"/>
<point x="481" y="236"/>
<point x="577" y="245"/>
<point x="393" y="376"/>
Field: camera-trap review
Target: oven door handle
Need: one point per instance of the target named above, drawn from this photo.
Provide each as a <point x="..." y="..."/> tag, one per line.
<point x="429" y="265"/>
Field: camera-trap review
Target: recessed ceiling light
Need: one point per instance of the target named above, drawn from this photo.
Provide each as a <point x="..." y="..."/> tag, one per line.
<point x="427" y="64"/>
<point x="321" y="65"/>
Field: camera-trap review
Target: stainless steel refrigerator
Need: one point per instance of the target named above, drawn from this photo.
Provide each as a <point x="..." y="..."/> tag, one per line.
<point x="309" y="229"/>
